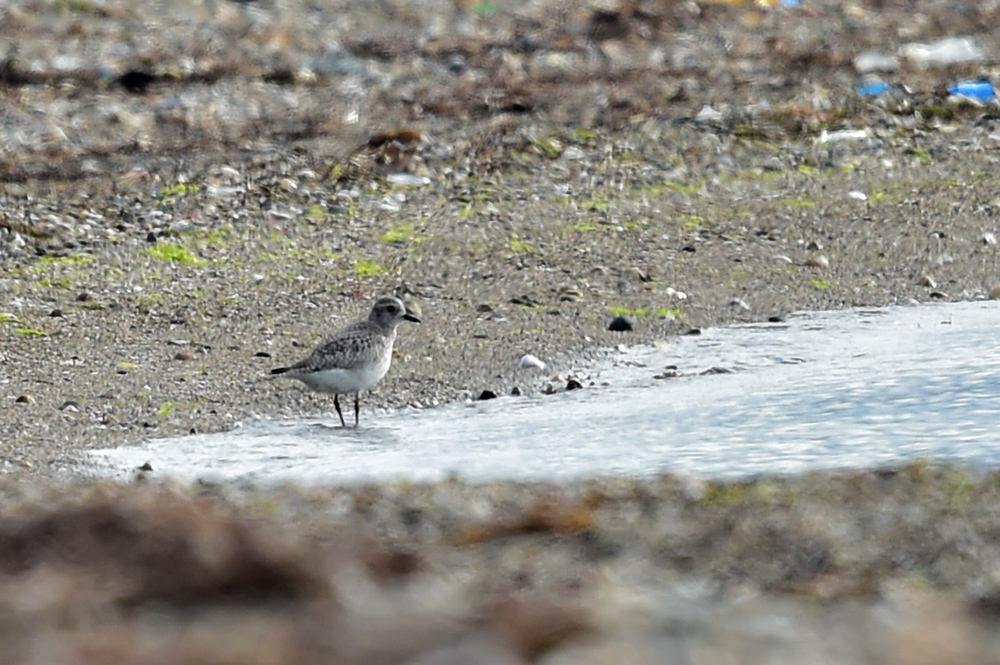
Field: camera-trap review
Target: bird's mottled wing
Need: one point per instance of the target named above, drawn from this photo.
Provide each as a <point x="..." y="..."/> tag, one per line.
<point x="351" y="348"/>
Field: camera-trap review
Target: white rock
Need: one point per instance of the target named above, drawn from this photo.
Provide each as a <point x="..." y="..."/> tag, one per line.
<point x="857" y="196"/>
<point x="950" y="51"/>
<point x="708" y="114"/>
<point x="408" y="179"/>
<point x="843" y="135"/>
<point x="871" y="61"/>
<point x="529" y="361"/>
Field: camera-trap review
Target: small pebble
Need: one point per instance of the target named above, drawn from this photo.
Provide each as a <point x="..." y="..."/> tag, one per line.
<point x="738" y="302"/>
<point x="818" y="261"/>
<point x="529" y="361"/>
<point x="70" y="405"/>
<point x="56" y="313"/>
<point x="773" y="163"/>
<point x="184" y="355"/>
<point x="487" y="394"/>
<point x="995" y="292"/>
<point x="927" y="280"/>
<point x="573" y="384"/>
<point x="620" y="324"/>
<point x="25" y="399"/>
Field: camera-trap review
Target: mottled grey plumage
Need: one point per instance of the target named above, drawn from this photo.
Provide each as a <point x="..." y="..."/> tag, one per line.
<point x="354" y="359"/>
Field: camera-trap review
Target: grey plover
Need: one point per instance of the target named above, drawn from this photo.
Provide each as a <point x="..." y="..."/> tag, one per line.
<point x="354" y="359"/>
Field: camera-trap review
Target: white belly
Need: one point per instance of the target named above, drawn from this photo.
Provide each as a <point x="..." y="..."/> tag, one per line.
<point x="342" y="381"/>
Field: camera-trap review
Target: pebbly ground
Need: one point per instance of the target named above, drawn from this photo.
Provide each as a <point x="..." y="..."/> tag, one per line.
<point x="522" y="175"/>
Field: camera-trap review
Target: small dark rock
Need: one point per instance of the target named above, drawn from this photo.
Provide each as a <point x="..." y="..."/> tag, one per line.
<point x="527" y="300"/>
<point x="24" y="399"/>
<point x="777" y="318"/>
<point x="717" y="370"/>
<point x="71" y="405"/>
<point x="56" y="313"/>
<point x="145" y="467"/>
<point x="690" y="249"/>
<point x="135" y="81"/>
<point x="84" y="297"/>
<point x="150" y="237"/>
<point x="487" y="394"/>
<point x="620" y="324"/>
<point x="184" y="355"/>
<point x="515" y="391"/>
<point x="573" y="384"/>
<point x="456" y="64"/>
<point x="262" y="354"/>
<point x="693" y="332"/>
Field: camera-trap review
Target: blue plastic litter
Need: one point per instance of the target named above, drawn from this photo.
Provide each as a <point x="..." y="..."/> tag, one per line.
<point x="979" y="90"/>
<point x="874" y="89"/>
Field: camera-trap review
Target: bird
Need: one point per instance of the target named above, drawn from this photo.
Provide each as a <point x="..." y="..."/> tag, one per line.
<point x="354" y="359"/>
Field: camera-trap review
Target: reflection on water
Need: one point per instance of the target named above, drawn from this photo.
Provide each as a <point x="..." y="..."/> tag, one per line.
<point x="822" y="390"/>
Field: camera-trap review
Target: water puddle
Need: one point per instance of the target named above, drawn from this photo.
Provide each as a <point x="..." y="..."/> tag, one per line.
<point x="843" y="389"/>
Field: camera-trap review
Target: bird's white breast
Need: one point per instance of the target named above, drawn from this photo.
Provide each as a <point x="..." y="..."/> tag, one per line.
<point x="345" y="380"/>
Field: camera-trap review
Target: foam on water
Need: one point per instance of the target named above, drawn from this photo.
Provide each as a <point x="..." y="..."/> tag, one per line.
<point x="844" y="389"/>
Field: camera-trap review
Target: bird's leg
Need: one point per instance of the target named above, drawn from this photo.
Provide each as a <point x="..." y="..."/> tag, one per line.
<point x="336" y="403"/>
<point x="357" y="408"/>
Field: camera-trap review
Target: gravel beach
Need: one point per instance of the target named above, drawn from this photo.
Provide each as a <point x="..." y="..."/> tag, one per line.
<point x="194" y="193"/>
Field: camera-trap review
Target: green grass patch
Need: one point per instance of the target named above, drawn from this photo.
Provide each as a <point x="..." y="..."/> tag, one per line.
<point x="552" y="147"/>
<point x="820" y="283"/>
<point x="519" y="246"/>
<point x="799" y="202"/>
<point x="316" y="213"/>
<point x="485" y="8"/>
<point x="882" y="197"/>
<point x="580" y="228"/>
<point x="170" y="408"/>
<point x="6" y="317"/>
<point x="402" y="234"/>
<point x="593" y="204"/>
<point x="180" y="189"/>
<point x="365" y="268"/>
<point x="71" y="260"/>
<point x="63" y="283"/>
<point x="692" y="221"/>
<point x="30" y="332"/>
<point x="661" y="312"/>
<point x="174" y="252"/>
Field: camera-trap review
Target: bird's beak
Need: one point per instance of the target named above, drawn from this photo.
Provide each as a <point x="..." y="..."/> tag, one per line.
<point x="410" y="316"/>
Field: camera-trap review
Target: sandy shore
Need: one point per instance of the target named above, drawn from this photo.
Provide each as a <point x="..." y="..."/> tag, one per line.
<point x="522" y="175"/>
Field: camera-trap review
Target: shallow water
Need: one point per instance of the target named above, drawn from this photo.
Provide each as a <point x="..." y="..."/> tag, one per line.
<point x="842" y="389"/>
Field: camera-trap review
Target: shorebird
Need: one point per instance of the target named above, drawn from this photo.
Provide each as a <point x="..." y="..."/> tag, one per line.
<point x="354" y="359"/>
